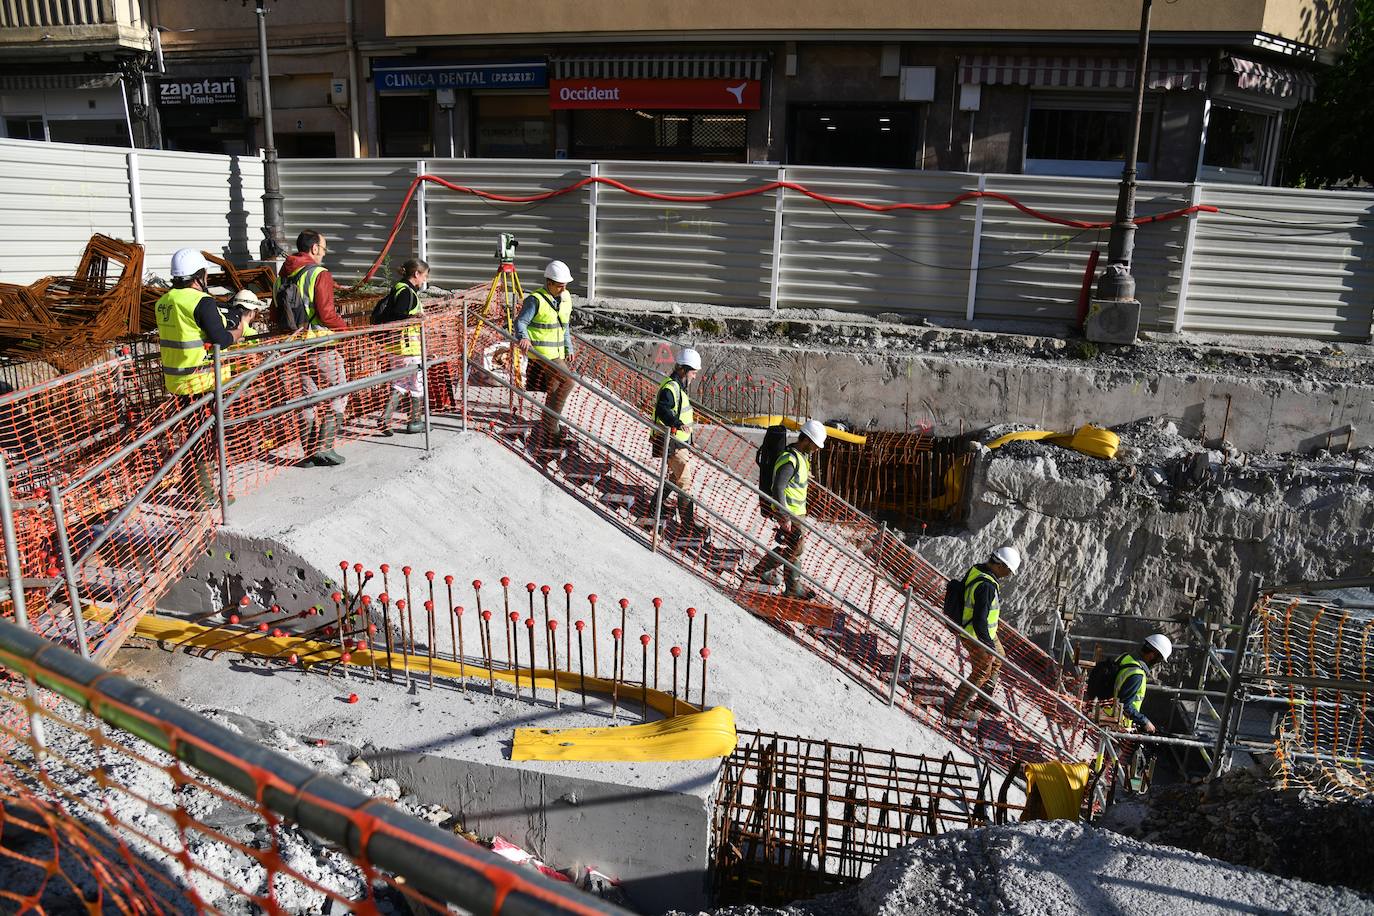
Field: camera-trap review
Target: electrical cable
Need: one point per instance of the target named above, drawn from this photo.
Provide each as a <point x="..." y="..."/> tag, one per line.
<point x="765" y="188"/>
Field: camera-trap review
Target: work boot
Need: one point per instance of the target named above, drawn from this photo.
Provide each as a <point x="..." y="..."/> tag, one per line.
<point x="384" y="421"/>
<point x="416" y="419"/>
<point x="795" y="589"/>
<point x="765" y="573"/>
<point x="329" y="429"/>
<point x="687" y="514"/>
<point x="310" y="443"/>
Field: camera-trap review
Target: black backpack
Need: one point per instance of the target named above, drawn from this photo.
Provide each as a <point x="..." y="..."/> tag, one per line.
<point x="954" y="601"/>
<point x="1102" y="679"/>
<point x="390" y="308"/>
<point x="294" y="305"/>
<point x="774" y="442"/>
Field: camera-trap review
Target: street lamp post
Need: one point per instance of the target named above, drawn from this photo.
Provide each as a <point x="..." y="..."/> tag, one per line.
<point x="274" y="216"/>
<point x="1116" y="283"/>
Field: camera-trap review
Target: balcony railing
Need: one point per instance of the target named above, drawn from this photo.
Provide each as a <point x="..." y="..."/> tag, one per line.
<point x="35" y="14"/>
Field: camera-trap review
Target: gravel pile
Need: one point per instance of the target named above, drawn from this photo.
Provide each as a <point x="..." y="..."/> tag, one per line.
<point x="1243" y="818"/>
<point x="1057" y="868"/>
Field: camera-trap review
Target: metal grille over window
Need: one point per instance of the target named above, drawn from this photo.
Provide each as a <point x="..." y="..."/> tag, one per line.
<point x="645" y="134"/>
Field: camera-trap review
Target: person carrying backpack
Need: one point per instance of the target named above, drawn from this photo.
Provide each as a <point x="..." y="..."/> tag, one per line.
<point x="305" y="300"/>
<point x="401" y="303"/>
<point x="981" y="612"/>
<point x="790" y="482"/>
<point x="1125" y="678"/>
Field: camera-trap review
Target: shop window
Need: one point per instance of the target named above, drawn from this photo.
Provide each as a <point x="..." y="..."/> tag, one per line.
<point x="90" y="131"/>
<point x="306" y="146"/>
<point x="405" y="125"/>
<point x="24" y="128"/>
<point x="514" y="127"/>
<point x="849" y="136"/>
<point x="1237" y="144"/>
<point x="1085" y="136"/>
<point x="672" y="135"/>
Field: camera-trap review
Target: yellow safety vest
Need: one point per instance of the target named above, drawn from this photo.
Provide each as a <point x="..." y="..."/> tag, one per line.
<point x="976" y="575"/>
<point x="794" y="494"/>
<point x="1128" y="665"/>
<point x="187" y="367"/>
<point x="683" y="406"/>
<point x="408" y="342"/>
<point x="548" y="329"/>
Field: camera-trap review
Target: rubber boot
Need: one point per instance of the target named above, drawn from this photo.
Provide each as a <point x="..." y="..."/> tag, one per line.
<point x="384" y="421"/>
<point x="310" y="443"/>
<point x="329" y="429"/>
<point x="795" y="589"/>
<point x="416" y="422"/>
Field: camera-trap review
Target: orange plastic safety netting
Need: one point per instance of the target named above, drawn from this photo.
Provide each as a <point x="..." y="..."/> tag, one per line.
<point x="115" y="800"/>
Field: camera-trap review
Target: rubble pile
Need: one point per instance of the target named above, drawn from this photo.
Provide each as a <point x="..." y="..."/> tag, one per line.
<point x="1243" y="818"/>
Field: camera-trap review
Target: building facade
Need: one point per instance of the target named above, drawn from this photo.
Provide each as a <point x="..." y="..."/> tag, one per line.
<point x="1021" y="86"/>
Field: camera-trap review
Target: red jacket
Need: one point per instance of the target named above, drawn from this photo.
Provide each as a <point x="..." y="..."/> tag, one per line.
<point x="324" y="291"/>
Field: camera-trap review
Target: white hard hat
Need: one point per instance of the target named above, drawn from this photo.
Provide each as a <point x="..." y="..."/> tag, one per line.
<point x="689" y="358"/>
<point x="187" y="262"/>
<point x="1008" y="556"/>
<point x="1160" y="643"/>
<point x="249" y="300"/>
<point x="813" y="430"/>
<point x="558" y="272"/>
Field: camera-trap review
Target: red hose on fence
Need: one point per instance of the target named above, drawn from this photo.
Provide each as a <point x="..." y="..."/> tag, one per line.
<point x="750" y="192"/>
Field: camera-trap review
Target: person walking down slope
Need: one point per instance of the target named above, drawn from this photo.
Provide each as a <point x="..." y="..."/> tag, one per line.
<point x="401" y="303"/>
<point x="314" y="286"/>
<point x="544" y="326"/>
<point x="1128" y="676"/>
<point x="674" y="423"/>
<point x="188" y="319"/>
<point x="791" y="481"/>
<point x="982" y="610"/>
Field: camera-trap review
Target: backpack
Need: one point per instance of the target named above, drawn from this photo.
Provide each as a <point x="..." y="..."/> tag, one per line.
<point x="954" y="601"/>
<point x="774" y="442"/>
<point x="1102" y="679"/>
<point x="389" y="308"/>
<point x="292" y="303"/>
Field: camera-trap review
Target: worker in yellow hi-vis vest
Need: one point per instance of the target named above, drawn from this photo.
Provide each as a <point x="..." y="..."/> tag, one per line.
<point x="790" y="484"/>
<point x="545" y="327"/>
<point x="188" y="322"/>
<point x="982" y="611"/>
<point x="674" y="423"/>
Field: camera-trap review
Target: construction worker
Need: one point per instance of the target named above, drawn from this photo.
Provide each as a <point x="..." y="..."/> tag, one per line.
<point x="982" y="610"/>
<point x="675" y="422"/>
<point x="188" y="320"/>
<point x="1131" y="676"/>
<point x="247" y="308"/>
<point x="325" y="367"/>
<point x="791" y="480"/>
<point x="404" y="302"/>
<point x="544" y="325"/>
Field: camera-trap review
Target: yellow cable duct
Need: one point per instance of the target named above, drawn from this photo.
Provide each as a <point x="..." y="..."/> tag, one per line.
<point x="773" y="420"/>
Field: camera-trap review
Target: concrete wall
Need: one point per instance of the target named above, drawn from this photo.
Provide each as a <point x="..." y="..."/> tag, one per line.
<point x="657" y="843"/>
<point x="886" y="391"/>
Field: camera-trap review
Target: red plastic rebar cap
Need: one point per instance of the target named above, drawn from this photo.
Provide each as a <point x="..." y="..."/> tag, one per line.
<point x="233" y="618"/>
<point x="385" y="567"/>
<point x="568" y="587"/>
<point x="278" y="634"/>
<point x="553" y="624"/>
<point x="458" y="609"/>
<point x="243" y="602"/>
<point x="514" y="616"/>
<point x="658" y="603"/>
<point x="367" y="575"/>
<point x="644" y="639"/>
<point x="691" y="612"/>
<point x="545" y="589"/>
<point x="352" y="698"/>
<point x="486" y="615"/>
<point x="293" y="658"/>
<point x="429" y="605"/>
<point x="384" y="597"/>
<point x="367" y="599"/>
<point x="624" y="603"/>
<point x="371" y="628"/>
<point x="529" y="623"/>
<point x="675" y="651"/>
<point x="505" y="581"/>
<point x="346" y="657"/>
<point x="405" y="570"/>
<point x="529" y="586"/>
<point x="592" y="597"/>
<point x="616" y="632"/>
<point x="358" y="568"/>
<point x="329" y="630"/>
<point x="429" y="574"/>
<point x="580" y="626"/>
<point x="448" y="580"/>
<point x="263" y="628"/>
<point x="343" y="564"/>
<point x="705" y="652"/>
<point x="336" y="597"/>
<point x="400" y="604"/>
<point x="476" y="583"/>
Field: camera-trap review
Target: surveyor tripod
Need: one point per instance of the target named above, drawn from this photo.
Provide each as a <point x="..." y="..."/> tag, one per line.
<point x="504" y="294"/>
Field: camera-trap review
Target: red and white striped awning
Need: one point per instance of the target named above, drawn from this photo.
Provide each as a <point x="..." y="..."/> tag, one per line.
<point x="1267" y="79"/>
<point x="1081" y="72"/>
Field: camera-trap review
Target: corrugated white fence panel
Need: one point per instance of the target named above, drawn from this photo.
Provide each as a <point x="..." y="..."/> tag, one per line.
<point x="1283" y="261"/>
<point x="53" y="197"/>
<point x="462" y="228"/>
<point x="1032" y="270"/>
<point x="847" y="258"/>
<point x="718" y="252"/>
<point x="194" y="200"/>
<point x="353" y="202"/>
